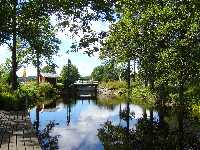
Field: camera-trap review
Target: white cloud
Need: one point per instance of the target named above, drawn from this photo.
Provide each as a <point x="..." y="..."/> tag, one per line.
<point x="30" y="71"/>
<point x="84" y="63"/>
<point x="82" y="134"/>
<point x="4" y="53"/>
<point x="82" y="131"/>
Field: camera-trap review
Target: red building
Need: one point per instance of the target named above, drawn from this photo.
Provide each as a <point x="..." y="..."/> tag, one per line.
<point x="48" y="77"/>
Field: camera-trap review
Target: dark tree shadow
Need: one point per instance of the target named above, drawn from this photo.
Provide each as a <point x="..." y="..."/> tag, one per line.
<point x="149" y="134"/>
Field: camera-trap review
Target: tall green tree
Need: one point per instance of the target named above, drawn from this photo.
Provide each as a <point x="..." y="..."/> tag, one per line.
<point x="13" y="12"/>
<point x="163" y="35"/>
<point x="49" y="69"/>
<point x="69" y="74"/>
<point x="108" y="72"/>
<point x="44" y="45"/>
<point x="98" y="73"/>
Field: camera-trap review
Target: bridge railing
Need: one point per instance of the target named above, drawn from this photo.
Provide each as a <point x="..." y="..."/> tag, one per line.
<point x="86" y="82"/>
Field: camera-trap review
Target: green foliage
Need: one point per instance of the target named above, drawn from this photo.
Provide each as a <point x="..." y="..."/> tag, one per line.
<point x="59" y="86"/>
<point x="142" y="95"/>
<point x="108" y="72"/>
<point x="98" y="73"/>
<point x="4" y="86"/>
<point x="48" y="69"/>
<point x="110" y="102"/>
<point x="69" y="74"/>
<point x="30" y="88"/>
<point x="148" y="134"/>
<point x="163" y="37"/>
<point x="114" y="85"/>
<point x="34" y="92"/>
<point x="193" y="92"/>
<point x="5" y="74"/>
<point x="46" y="90"/>
<point x="195" y="110"/>
<point x="139" y="93"/>
<point x="10" y="100"/>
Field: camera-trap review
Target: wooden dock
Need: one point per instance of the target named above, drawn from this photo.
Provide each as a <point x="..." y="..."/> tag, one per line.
<point x="16" y="131"/>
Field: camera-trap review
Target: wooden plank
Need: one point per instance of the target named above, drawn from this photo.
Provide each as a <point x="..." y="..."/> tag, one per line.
<point x="16" y="132"/>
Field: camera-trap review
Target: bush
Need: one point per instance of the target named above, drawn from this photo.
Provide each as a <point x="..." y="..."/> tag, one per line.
<point x="11" y="100"/>
<point x="139" y="93"/>
<point x="6" y="97"/>
<point x="114" y="85"/>
<point x="33" y="91"/>
<point x="142" y="95"/>
<point x="30" y="89"/>
<point x="4" y="87"/>
<point x="59" y="86"/>
<point x="46" y="90"/>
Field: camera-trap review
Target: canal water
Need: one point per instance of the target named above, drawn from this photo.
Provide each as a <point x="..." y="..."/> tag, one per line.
<point x="87" y="123"/>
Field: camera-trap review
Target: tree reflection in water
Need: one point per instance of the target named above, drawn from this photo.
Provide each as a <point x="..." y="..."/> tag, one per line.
<point x="47" y="142"/>
<point x="148" y="134"/>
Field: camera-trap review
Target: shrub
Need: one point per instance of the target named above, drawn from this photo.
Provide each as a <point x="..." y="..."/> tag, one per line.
<point x="11" y="100"/>
<point x="30" y="88"/>
<point x="59" y="86"/>
<point x="142" y="95"/>
<point x="114" y="85"/>
<point x="8" y="98"/>
<point x="46" y="90"/>
<point x="4" y="87"/>
<point x="33" y="91"/>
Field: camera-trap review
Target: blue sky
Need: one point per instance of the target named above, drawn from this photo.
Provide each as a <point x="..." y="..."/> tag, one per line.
<point x="84" y="63"/>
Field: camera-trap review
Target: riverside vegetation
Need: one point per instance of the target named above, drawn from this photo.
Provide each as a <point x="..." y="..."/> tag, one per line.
<point x="159" y="38"/>
<point x="27" y="94"/>
<point x="152" y="45"/>
<point x="113" y="84"/>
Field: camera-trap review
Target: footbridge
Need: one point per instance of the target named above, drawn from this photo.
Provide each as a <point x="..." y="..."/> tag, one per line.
<point x="86" y="83"/>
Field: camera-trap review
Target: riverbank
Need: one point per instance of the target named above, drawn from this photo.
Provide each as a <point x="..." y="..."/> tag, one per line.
<point x="138" y="94"/>
<point x="141" y="95"/>
<point x="112" y="89"/>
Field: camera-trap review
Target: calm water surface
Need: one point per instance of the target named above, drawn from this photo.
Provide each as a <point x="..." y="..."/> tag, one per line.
<point x="78" y="121"/>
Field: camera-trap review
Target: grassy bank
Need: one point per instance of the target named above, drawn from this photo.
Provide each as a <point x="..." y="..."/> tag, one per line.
<point x="139" y="94"/>
<point x="142" y="95"/>
<point x="113" y="85"/>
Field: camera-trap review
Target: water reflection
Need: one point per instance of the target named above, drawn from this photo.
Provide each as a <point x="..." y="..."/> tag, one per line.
<point x="85" y="124"/>
<point x="68" y="114"/>
<point x="151" y="134"/>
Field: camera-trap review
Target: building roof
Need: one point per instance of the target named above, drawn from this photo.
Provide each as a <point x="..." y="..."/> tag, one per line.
<point x="49" y="75"/>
